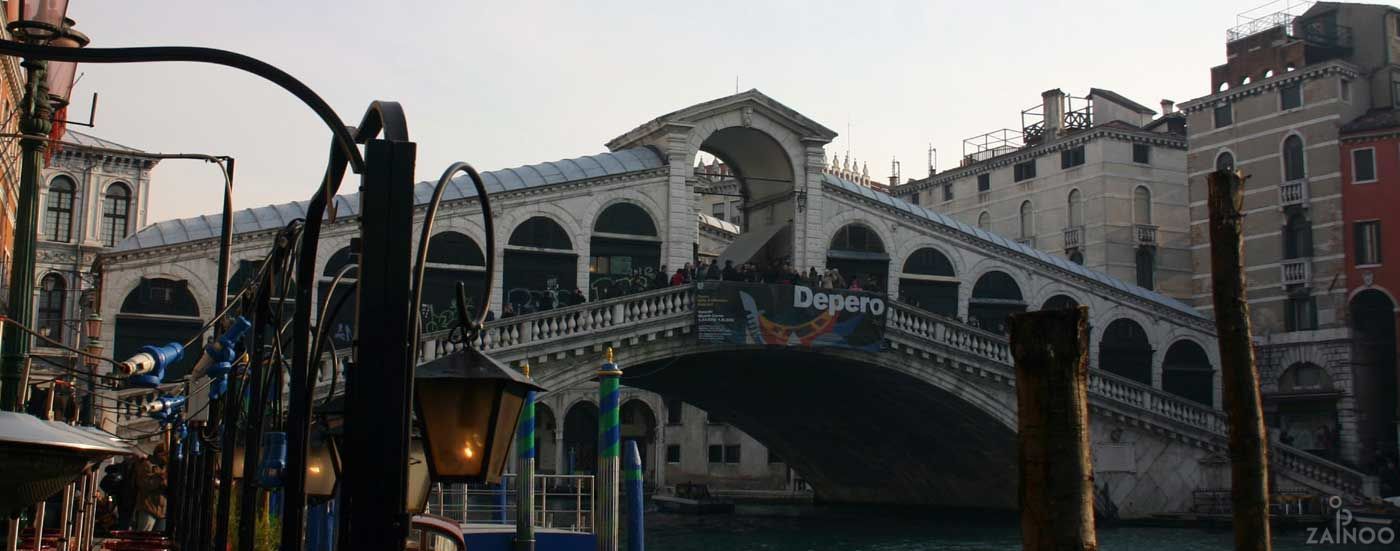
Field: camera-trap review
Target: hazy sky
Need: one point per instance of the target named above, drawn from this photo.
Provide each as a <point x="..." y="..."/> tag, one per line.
<point x="501" y="84"/>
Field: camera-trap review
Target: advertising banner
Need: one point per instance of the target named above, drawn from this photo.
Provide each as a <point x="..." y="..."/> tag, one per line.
<point x="789" y="315"/>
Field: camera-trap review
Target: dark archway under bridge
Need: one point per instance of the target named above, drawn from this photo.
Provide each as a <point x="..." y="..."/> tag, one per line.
<point x="859" y="433"/>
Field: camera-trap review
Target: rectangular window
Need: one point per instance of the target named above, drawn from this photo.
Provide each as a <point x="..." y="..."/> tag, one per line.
<point x="1300" y="313"/>
<point x="731" y="454"/>
<point x="914" y="197"/>
<point x="734" y="214"/>
<point x="1142" y="153"/>
<point x="1368" y="242"/>
<point x="1025" y="171"/>
<point x="673" y="453"/>
<point x="674" y="412"/>
<point x="1072" y="157"/>
<point x="1346" y="90"/>
<point x="717" y="210"/>
<point x="716" y="454"/>
<point x="984" y="182"/>
<point x="1290" y="96"/>
<point x="948" y="192"/>
<point x="1146" y="267"/>
<point x="1363" y="165"/>
<point x="1224" y="116"/>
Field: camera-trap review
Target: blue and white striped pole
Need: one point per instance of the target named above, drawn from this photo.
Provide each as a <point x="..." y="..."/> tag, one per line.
<point x="632" y="477"/>
<point x="605" y="502"/>
<point x="525" y="473"/>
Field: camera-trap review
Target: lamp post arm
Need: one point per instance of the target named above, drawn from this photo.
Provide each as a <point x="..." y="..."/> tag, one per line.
<point x="199" y="55"/>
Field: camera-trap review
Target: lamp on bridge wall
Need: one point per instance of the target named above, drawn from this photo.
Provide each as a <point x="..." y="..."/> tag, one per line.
<point x="468" y="404"/>
<point x="322" y="466"/>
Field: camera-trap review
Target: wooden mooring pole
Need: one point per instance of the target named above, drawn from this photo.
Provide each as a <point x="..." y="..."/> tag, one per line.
<point x="1052" y="404"/>
<point x="1249" y="454"/>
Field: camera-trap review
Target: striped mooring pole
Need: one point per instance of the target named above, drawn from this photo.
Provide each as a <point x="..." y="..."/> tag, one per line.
<point x="632" y="474"/>
<point x="605" y="502"/>
<point x="525" y="474"/>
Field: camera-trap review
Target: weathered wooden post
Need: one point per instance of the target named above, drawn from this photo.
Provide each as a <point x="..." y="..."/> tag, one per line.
<point x="1052" y="403"/>
<point x="1249" y="454"/>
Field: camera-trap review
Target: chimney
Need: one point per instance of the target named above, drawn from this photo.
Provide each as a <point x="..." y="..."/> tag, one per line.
<point x="1168" y="106"/>
<point x="1053" y="106"/>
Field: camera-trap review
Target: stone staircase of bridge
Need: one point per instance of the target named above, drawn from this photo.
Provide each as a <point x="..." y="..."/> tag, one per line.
<point x="977" y="355"/>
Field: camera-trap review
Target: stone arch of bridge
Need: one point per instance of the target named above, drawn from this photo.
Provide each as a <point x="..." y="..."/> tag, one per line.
<point x="766" y="161"/>
<point x="834" y="414"/>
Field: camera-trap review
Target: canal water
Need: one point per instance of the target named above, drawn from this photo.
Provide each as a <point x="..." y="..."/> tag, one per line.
<point x="790" y="528"/>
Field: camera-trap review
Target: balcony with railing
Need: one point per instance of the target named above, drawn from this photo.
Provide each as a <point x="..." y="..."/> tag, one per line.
<point x="1296" y="271"/>
<point x="1293" y="192"/>
<point x="1074" y="237"/>
<point x="1145" y="235"/>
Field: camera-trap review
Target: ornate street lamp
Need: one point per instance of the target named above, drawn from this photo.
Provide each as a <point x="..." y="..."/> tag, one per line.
<point x="468" y="404"/>
<point x="59" y="76"/>
<point x="39" y="20"/>
<point x="322" y="465"/>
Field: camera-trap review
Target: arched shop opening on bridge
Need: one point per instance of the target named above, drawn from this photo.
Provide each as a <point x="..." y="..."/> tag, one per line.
<point x="1125" y="351"/>
<point x="158" y="311"/>
<point x="625" y="250"/>
<point x="995" y="296"/>
<point x="856" y="251"/>
<point x="1373" y="359"/>
<point x="546" y="429"/>
<point x="1186" y="372"/>
<point x="639" y="425"/>
<point x="1059" y="302"/>
<point x="541" y="267"/>
<point x="767" y="201"/>
<point x="581" y="438"/>
<point x="343" y="320"/>
<point x="452" y="258"/>
<point x="1304" y="410"/>
<point x="928" y="282"/>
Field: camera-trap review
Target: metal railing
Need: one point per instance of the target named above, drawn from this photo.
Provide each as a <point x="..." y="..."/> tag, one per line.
<point x="1295" y="271"/>
<point x="1293" y="192"/>
<point x="562" y="502"/>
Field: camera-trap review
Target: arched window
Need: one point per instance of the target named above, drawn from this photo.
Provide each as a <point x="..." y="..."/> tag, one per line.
<point x="1076" y="209"/>
<point x="1297" y="237"/>
<point x="1186" y="372"/>
<point x="1142" y="205"/>
<point x="1309" y="420"/>
<point x="158" y="310"/>
<point x="1125" y="351"/>
<point x="1076" y="257"/>
<point x="1225" y="161"/>
<point x="928" y="282"/>
<point x="984" y="221"/>
<point x="58" y="224"/>
<point x="626" y="252"/>
<point x="452" y="258"/>
<point x="994" y="297"/>
<point x="1293" y="166"/>
<point x="856" y="251"/>
<point x="116" y="206"/>
<point x="52" y="291"/>
<point x="541" y="269"/>
<point x="541" y="232"/>
<point x="1027" y="220"/>
<point x="1060" y="302"/>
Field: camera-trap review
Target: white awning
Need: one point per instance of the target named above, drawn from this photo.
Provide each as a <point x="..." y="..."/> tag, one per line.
<point x="748" y="244"/>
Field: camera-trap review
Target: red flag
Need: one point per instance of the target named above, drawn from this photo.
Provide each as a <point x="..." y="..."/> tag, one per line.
<point x="56" y="134"/>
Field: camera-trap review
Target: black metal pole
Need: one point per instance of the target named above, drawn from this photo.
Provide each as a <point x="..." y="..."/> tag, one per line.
<point x="35" y="123"/>
<point x="248" y="492"/>
<point x="379" y="390"/>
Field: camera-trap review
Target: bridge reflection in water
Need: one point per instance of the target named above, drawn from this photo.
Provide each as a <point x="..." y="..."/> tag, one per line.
<point x="929" y="420"/>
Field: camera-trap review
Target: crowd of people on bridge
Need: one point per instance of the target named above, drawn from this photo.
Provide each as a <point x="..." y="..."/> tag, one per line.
<point x="776" y="272"/>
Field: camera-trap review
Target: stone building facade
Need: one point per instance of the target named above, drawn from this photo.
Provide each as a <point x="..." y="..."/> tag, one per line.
<point x="1275" y="113"/>
<point x="1096" y="179"/>
<point x="94" y="194"/>
<point x="12" y="81"/>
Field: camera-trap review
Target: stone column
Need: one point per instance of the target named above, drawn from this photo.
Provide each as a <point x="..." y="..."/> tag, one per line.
<point x="808" y="247"/>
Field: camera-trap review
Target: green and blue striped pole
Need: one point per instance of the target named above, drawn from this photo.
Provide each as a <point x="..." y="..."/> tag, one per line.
<point x="525" y="474"/>
<point x="605" y="504"/>
<point x="632" y="474"/>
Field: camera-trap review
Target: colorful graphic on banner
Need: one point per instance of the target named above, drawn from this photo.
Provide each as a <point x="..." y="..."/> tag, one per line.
<point x="789" y="315"/>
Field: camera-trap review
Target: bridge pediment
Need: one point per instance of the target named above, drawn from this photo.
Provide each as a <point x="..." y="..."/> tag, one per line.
<point x="746" y="105"/>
